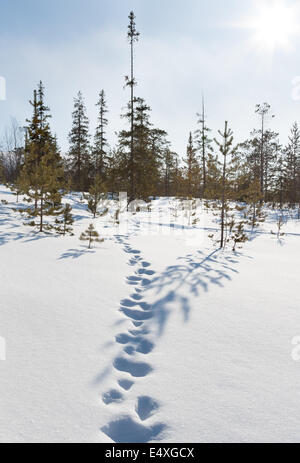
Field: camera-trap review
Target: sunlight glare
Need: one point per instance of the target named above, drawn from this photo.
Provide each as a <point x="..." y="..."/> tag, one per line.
<point x="274" y="26"/>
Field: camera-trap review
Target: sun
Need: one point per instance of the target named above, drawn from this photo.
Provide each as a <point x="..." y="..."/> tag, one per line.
<point x="274" y="25"/>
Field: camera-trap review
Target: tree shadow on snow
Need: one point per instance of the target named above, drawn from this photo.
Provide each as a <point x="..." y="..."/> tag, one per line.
<point x="76" y="253"/>
<point x="195" y="273"/>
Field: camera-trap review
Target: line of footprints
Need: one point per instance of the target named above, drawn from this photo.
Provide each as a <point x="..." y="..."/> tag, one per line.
<point x="135" y="342"/>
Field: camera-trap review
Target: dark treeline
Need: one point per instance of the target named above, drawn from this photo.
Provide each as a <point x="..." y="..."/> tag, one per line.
<point x="142" y="162"/>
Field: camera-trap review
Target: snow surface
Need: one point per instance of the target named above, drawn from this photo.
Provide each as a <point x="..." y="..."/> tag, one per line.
<point x="151" y="336"/>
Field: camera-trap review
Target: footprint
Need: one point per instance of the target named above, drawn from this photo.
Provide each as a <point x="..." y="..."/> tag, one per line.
<point x="143" y="331"/>
<point x="134" y="278"/>
<point x="130" y="350"/>
<point x="132" y="282"/>
<point x="135" y="369"/>
<point x="137" y="315"/>
<point x="145" y="306"/>
<point x="112" y="396"/>
<point x="146" y="407"/>
<point x="137" y="324"/>
<point x="137" y="297"/>
<point x="123" y="338"/>
<point x="129" y="303"/>
<point x="125" y="384"/>
<point x="146" y="272"/>
<point x="126" y="430"/>
<point x="143" y="346"/>
<point x="133" y="251"/>
<point x="146" y="264"/>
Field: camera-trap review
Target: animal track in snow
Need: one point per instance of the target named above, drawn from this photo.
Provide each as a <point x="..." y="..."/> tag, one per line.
<point x="137" y="315"/>
<point x="135" y="369"/>
<point x="136" y="343"/>
<point x="146" y="272"/>
<point x="138" y="324"/>
<point x="137" y="297"/>
<point x="126" y="430"/>
<point x="146" y="407"/>
<point x="125" y="384"/>
<point x="142" y="345"/>
<point x="112" y="396"/>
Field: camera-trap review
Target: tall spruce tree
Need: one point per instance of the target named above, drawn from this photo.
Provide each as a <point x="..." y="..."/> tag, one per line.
<point x="100" y="158"/>
<point x="169" y="172"/>
<point x="79" y="152"/>
<point x="41" y="175"/>
<point x="204" y="145"/>
<point x="133" y="37"/>
<point x="143" y="169"/>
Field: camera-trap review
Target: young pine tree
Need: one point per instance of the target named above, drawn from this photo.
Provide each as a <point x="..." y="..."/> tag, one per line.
<point x="41" y="188"/>
<point x="91" y="235"/>
<point x="227" y="150"/>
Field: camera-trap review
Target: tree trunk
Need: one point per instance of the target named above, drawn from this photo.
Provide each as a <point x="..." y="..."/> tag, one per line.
<point x="41" y="214"/>
<point x="223" y="203"/>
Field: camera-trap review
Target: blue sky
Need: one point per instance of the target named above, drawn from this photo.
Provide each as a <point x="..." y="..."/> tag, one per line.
<point x="186" y="48"/>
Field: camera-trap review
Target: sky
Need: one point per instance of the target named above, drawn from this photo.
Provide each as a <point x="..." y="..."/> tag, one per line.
<point x="228" y="51"/>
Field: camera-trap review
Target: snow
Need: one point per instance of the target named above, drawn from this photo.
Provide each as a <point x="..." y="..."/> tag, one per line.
<point x="210" y="359"/>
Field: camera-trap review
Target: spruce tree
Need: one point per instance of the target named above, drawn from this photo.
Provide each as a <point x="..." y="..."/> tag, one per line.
<point x="96" y="194"/>
<point x="100" y="141"/>
<point x="204" y="146"/>
<point x="41" y="175"/>
<point x="169" y="172"/>
<point x="144" y="168"/>
<point x="251" y="151"/>
<point x="292" y="166"/>
<point x="192" y="170"/>
<point x="64" y="224"/>
<point x="79" y="152"/>
<point x="133" y="37"/>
